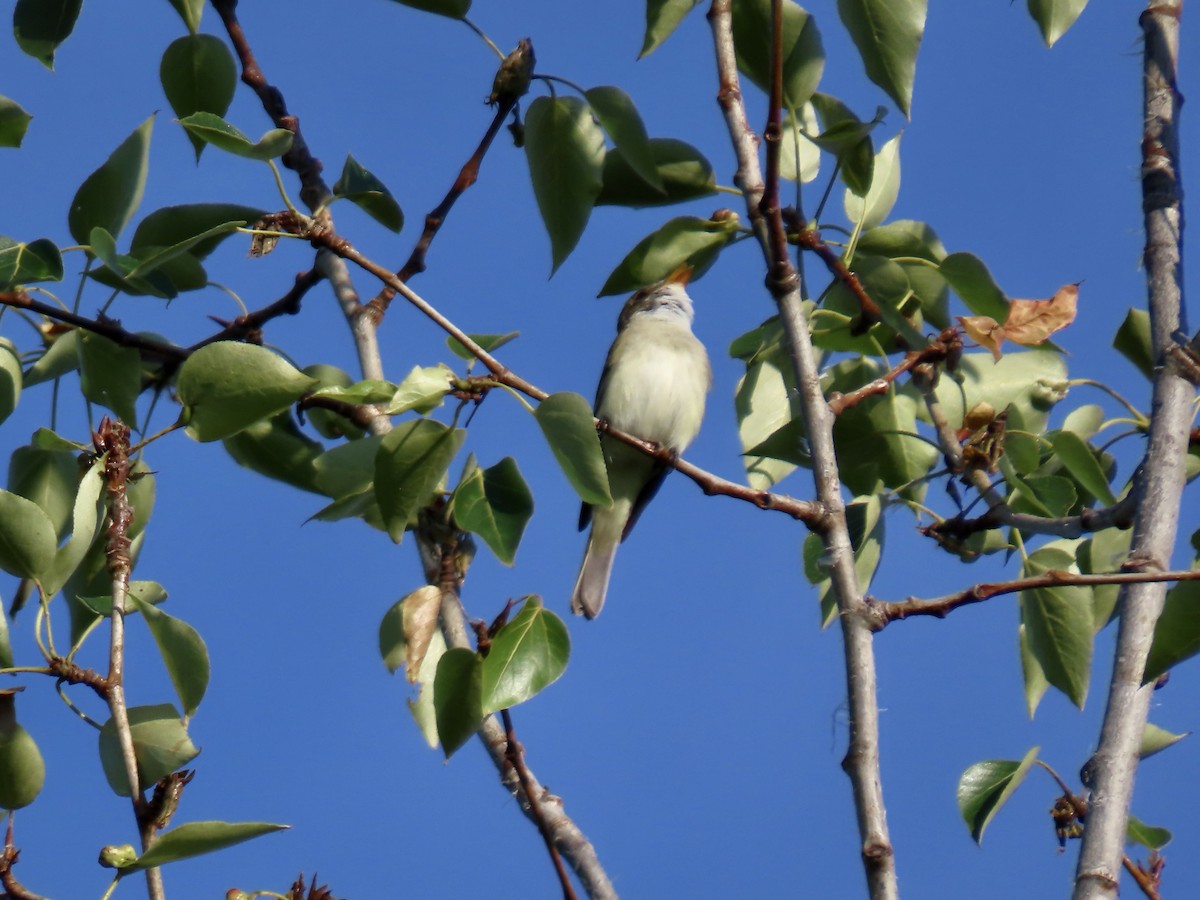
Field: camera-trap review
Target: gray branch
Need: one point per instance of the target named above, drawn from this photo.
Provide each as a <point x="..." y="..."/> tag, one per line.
<point x="1160" y="483"/>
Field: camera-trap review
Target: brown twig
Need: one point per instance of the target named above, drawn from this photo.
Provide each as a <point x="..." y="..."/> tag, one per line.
<point x="810" y="239"/>
<point x="516" y="758"/>
<point x="1146" y="880"/>
<point x="249" y="326"/>
<point x="941" y="348"/>
<point x="313" y="189"/>
<point x="8" y="858"/>
<point x="109" y="328"/>
<point x="883" y="613"/>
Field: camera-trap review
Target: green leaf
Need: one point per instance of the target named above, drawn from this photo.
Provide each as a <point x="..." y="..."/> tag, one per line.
<point x="423" y="390"/>
<point x="160" y="744"/>
<point x="454" y="9"/>
<point x="887" y="283"/>
<point x="849" y="139"/>
<point x="1059" y="626"/>
<point x="87" y="516"/>
<point x="1054" y="17"/>
<point x="803" y="55"/>
<point x="1155" y="740"/>
<point x="1177" y="632"/>
<point x="369" y="194"/>
<point x="972" y="281"/>
<point x="14" y="120"/>
<point x="686" y="240"/>
<point x="200" y="227"/>
<point x="1132" y="341"/>
<point x="1033" y="677"/>
<point x="1029" y="382"/>
<point x="570" y="429"/>
<point x="888" y="35"/>
<point x="494" y="503"/>
<point x="110" y="375"/>
<point x="410" y="464"/>
<point x="61" y="357"/>
<point x="565" y="151"/>
<point x="38" y="260"/>
<point x="183" y="653"/>
<point x="149" y="592"/>
<point x="683" y="172"/>
<point x="527" y="654"/>
<point x="277" y="448"/>
<point x="41" y="25"/>
<point x="458" y="697"/>
<point x="1149" y="836"/>
<point x="198" y="74"/>
<point x="27" y="538"/>
<point x="422" y="708"/>
<point x="799" y="156"/>
<point x="190" y="11"/>
<point x="347" y="469"/>
<point x="1080" y="461"/>
<point x="874" y="439"/>
<point x="198" y="838"/>
<point x="49" y="478"/>
<point x="662" y="18"/>
<point x="10" y="377"/>
<point x="1104" y="552"/>
<point x="6" y="655"/>
<point x="766" y="406"/>
<point x="22" y="769"/>
<point x="619" y="117"/>
<point x="212" y="129"/>
<point x="108" y="197"/>
<point x="986" y="786"/>
<point x="872" y="209"/>
<point x="227" y="386"/>
<point x="488" y="342"/>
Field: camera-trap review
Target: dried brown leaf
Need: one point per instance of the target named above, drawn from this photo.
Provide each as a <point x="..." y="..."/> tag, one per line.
<point x="1031" y="322"/>
<point x="420" y="617"/>
<point x="985" y="331"/>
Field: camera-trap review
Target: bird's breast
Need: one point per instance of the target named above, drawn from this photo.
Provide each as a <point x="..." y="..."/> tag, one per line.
<point x="657" y="380"/>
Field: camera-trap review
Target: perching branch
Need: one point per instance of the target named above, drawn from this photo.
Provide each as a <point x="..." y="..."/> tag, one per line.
<point x="862" y="758"/>
<point x="1159" y="484"/>
<point x="883" y="613"/>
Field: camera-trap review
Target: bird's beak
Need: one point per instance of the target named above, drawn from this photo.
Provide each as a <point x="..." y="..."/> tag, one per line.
<point x="680" y="275"/>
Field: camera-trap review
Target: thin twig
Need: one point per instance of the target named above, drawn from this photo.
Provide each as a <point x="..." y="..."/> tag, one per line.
<point x="883" y="613"/>
<point x="516" y="758"/>
<point x="109" y="328"/>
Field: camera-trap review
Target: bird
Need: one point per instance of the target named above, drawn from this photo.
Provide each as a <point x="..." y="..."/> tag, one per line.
<point x="653" y="386"/>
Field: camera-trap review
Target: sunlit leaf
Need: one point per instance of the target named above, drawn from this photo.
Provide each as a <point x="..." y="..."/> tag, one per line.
<point x="803" y="55"/>
<point x="212" y="129"/>
<point x="108" y="197"/>
<point x="496" y="504"/>
<point x="27" y="538"/>
<point x="1054" y="17"/>
<point x="570" y="429"/>
<point x="888" y="35"/>
<point x="529" y="653"/>
<point x="183" y="652"/>
<point x="160" y="743"/>
<point x="1059" y="626"/>
<point x="565" y="150"/>
<point x="986" y="786"/>
<point x="686" y="240"/>
<point x="410" y="464"/>
<point x="198" y="838"/>
<point x="1177" y="632"/>
<point x="662" y="18"/>
<point x="458" y="697"/>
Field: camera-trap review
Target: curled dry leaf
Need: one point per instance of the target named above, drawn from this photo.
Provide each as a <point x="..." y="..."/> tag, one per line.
<point x="1029" y="322"/>
<point x="420" y="617"/>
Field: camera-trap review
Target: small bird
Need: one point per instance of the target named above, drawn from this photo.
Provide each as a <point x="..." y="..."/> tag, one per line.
<point x="653" y="387"/>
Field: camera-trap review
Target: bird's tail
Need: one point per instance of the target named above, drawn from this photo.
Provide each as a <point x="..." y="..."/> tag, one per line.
<point x="592" y="584"/>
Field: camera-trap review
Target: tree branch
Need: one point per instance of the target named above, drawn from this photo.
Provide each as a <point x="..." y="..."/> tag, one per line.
<point x="113" y="438"/>
<point x="883" y="613"/>
<point x="862" y="758"/>
<point x="1159" y="484"/>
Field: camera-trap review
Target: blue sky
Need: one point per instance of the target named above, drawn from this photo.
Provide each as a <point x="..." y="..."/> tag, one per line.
<point x="697" y="734"/>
